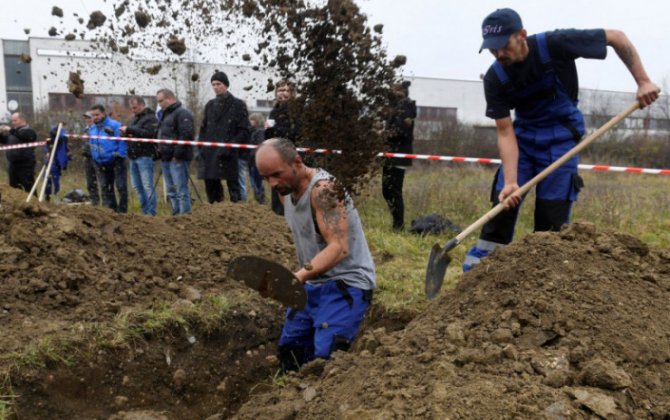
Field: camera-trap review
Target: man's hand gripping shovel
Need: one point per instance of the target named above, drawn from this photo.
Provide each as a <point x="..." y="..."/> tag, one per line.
<point x="439" y="256"/>
<point x="269" y="279"/>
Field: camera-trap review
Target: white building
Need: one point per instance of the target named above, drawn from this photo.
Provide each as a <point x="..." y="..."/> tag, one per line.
<point x="41" y="85"/>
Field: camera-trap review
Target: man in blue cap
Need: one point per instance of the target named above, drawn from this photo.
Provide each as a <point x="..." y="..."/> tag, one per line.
<point x="536" y="76"/>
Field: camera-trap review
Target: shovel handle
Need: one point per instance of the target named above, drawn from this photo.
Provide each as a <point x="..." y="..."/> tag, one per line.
<point x="548" y="170"/>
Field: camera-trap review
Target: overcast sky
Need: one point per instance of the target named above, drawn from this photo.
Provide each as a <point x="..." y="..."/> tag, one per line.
<point x="441" y="38"/>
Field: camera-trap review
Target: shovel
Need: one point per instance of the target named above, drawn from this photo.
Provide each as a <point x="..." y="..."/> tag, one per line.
<point x="439" y="258"/>
<point x="269" y="279"/>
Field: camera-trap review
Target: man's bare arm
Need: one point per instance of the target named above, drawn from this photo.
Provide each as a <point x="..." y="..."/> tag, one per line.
<point x="331" y="217"/>
<point x="509" y="154"/>
<point x="647" y="91"/>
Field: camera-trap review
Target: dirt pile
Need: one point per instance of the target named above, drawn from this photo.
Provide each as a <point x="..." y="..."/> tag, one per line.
<point x="559" y="325"/>
<point x="65" y="264"/>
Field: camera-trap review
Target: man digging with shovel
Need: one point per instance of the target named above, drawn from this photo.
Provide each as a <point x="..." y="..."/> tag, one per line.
<point x="536" y="76"/>
<point x="336" y="266"/>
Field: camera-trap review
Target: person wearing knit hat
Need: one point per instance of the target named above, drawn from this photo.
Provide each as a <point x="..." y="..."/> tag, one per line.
<point x="225" y="120"/>
<point x="220" y="77"/>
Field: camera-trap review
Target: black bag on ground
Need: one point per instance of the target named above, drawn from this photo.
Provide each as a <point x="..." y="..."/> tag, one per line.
<point x="75" y="196"/>
<point x="432" y="223"/>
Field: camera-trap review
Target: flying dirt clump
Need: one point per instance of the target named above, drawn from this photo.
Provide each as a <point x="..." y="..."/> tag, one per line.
<point x="336" y="60"/>
<point x="142" y="19"/>
<point x="75" y="85"/>
<point x="176" y="45"/>
<point x="53" y="31"/>
<point x="57" y="11"/>
<point x="153" y="70"/>
<point x="96" y="20"/>
<point x="26" y="58"/>
<point x="399" y="60"/>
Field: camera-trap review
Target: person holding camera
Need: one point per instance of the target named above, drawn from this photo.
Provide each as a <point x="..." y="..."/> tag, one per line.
<point x="110" y="159"/>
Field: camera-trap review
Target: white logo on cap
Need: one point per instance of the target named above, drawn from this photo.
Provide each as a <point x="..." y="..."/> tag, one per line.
<point x="491" y="29"/>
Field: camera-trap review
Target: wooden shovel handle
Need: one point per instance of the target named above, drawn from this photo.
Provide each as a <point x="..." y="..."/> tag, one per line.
<point x="549" y="169"/>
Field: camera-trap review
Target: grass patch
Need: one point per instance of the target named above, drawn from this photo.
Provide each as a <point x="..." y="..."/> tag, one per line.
<point x="130" y="327"/>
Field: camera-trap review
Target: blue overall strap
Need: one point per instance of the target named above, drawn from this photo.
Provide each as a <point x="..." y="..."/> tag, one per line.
<point x="543" y="48"/>
<point x="500" y="72"/>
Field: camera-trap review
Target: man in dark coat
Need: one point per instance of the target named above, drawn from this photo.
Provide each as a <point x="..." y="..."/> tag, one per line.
<point x="281" y="124"/>
<point x="225" y="120"/>
<point x="400" y="140"/>
<point x="176" y="123"/>
<point x="141" y="155"/>
<point x="21" y="161"/>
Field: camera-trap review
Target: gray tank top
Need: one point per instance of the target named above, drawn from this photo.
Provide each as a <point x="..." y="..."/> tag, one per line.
<point x="357" y="269"/>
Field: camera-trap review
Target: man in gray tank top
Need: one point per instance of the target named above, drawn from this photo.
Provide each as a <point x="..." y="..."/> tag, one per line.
<point x="336" y="267"/>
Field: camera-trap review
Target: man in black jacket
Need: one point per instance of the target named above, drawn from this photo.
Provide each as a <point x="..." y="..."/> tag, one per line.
<point x="400" y="140"/>
<point x="176" y="124"/>
<point x="281" y="124"/>
<point x="143" y="125"/>
<point x="225" y="120"/>
<point x="21" y="161"/>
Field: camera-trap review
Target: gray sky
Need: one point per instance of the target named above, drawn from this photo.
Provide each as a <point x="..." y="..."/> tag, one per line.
<point x="441" y="38"/>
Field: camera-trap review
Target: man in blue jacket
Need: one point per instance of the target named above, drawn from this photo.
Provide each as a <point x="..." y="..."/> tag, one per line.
<point x="537" y="77"/>
<point x="110" y="159"/>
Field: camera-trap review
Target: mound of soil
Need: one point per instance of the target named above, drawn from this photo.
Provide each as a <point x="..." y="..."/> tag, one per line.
<point x="559" y="325"/>
<point x="66" y="264"/>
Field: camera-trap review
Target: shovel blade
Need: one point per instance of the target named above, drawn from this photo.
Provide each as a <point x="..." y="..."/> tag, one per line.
<point x="270" y="279"/>
<point x="437" y="267"/>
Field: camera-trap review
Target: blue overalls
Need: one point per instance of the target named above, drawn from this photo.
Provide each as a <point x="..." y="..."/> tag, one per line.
<point x="61" y="159"/>
<point x="547" y="125"/>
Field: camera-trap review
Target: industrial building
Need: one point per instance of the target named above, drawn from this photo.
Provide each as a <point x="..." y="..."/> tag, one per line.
<point x="34" y="78"/>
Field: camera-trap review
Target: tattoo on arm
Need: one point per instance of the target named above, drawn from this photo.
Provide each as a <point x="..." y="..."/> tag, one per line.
<point x="327" y="201"/>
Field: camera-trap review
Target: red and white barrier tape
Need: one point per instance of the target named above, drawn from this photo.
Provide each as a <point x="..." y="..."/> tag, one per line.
<point x="22" y="146"/>
<point x="487" y="161"/>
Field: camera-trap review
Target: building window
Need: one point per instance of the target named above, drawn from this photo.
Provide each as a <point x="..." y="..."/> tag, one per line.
<point x="264" y="103"/>
<point x="25" y="100"/>
<point x="17" y="74"/>
<point x="434" y="113"/>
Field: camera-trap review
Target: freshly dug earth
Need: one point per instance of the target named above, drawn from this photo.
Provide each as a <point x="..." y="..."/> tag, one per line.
<point x="559" y="325"/>
<point x="67" y="264"/>
<point x="81" y="288"/>
<point x="70" y="273"/>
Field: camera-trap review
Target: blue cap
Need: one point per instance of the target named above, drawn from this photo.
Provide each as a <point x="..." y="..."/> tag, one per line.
<point x="497" y="28"/>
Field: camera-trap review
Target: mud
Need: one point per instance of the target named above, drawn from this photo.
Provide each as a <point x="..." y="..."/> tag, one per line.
<point x="96" y="20"/>
<point x="153" y="70"/>
<point x="142" y="19"/>
<point x="566" y="325"/>
<point x="75" y="84"/>
<point x="57" y="11"/>
<point x="176" y="45"/>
